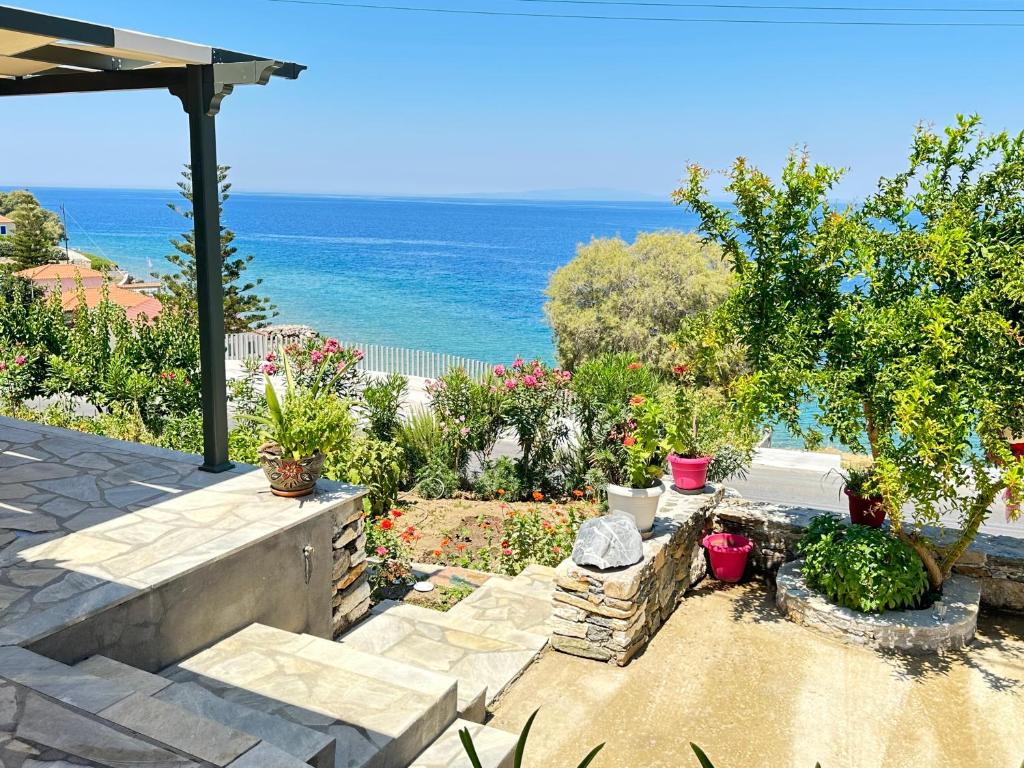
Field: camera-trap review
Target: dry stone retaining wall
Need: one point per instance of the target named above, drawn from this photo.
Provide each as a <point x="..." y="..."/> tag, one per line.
<point x="351" y="597"/>
<point x="611" y="614"/>
<point x="996" y="561"/>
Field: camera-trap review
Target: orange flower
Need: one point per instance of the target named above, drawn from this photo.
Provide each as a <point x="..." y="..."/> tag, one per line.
<point x="501" y="491"/>
<point x="637" y="400"/>
<point x="460" y="546"/>
<point x="445" y="541"/>
<point x="538" y="496"/>
<point x="635" y="366"/>
<point x="437" y="553"/>
<point x="386" y="524"/>
<point x="629" y="440"/>
<point x="578" y="493"/>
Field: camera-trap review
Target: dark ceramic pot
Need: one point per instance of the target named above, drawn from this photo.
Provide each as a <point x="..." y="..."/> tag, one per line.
<point x="868" y="511"/>
<point x="290" y="477"/>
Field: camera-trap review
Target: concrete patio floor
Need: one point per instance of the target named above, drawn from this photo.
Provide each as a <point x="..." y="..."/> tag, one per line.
<point x="756" y="691"/>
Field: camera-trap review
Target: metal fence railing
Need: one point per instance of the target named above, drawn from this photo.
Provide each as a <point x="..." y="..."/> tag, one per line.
<point x="376" y="357"/>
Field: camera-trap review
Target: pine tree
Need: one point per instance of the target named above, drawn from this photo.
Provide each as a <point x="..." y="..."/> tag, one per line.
<point x="243" y="308"/>
<point x="34" y="239"/>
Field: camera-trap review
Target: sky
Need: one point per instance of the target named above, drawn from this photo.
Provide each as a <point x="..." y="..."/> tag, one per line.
<point x="401" y="103"/>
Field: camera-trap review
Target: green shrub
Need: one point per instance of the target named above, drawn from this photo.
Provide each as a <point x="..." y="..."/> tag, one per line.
<point x="500" y="479"/>
<point x="862" y="568"/>
<point x="183" y="433"/>
<point x="372" y="463"/>
<point x="624" y="297"/>
<point x="419" y="437"/>
<point x="436" y="480"/>
<point x="381" y="402"/>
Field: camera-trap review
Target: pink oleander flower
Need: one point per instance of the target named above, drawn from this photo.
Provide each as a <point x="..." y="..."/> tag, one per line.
<point x="499" y="370"/>
<point x="529" y="381"/>
<point x="20" y="360"/>
<point x="340" y="367"/>
<point x="382" y="551"/>
<point x="3" y="365"/>
<point x="316" y="356"/>
<point x="331" y="346"/>
<point x="511" y="383"/>
<point x="566" y="375"/>
<point x="271" y="357"/>
<point x="268" y="368"/>
<point x="538" y="371"/>
<point x="358" y="354"/>
<point x="517" y="363"/>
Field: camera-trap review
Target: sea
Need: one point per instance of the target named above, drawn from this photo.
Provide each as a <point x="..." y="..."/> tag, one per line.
<point x="463" y="276"/>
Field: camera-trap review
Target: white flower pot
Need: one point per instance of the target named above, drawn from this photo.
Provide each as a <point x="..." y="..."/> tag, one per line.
<point x="638" y="503"/>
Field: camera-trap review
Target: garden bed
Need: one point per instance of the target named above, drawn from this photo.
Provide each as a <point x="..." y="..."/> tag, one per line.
<point x="918" y="632"/>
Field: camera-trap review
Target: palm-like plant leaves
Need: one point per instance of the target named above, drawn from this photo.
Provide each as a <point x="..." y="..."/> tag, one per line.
<point x="474" y="759"/>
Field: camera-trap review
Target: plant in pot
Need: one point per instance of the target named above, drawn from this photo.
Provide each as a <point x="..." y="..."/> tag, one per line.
<point x="866" y="504"/>
<point x="301" y="428"/>
<point x="635" y="478"/>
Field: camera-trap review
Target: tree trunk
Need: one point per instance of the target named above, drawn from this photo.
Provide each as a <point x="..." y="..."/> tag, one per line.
<point x="931" y="565"/>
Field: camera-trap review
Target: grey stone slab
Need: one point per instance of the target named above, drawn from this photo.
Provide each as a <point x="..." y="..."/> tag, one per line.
<point x="302" y="743"/>
<point x="265" y="755"/>
<point x="31" y="577"/>
<point x="128" y="676"/>
<point x="63" y="508"/>
<point x="81" y="487"/>
<point x="495" y="748"/>
<point x="42" y="471"/>
<point x="33" y="523"/>
<point x="180" y="729"/>
<point x="58" y="681"/>
<point x="48" y="723"/>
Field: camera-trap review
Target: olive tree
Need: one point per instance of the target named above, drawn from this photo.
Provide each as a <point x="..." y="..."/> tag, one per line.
<point x="902" y="317"/>
<point x="619" y="297"/>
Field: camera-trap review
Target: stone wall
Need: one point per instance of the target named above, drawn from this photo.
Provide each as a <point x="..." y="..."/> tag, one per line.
<point x="612" y="614"/>
<point x="996" y="561"/>
<point x="351" y="591"/>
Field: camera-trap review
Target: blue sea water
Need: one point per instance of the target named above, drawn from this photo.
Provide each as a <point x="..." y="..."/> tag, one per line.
<point x="461" y="276"/>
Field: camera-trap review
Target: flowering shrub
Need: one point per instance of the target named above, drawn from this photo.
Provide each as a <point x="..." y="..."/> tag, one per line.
<point x="534" y="403"/>
<point x="529" y="536"/>
<point x="17" y="378"/>
<point x="318" y="359"/>
<point x="390" y="540"/>
<point x="468" y="415"/>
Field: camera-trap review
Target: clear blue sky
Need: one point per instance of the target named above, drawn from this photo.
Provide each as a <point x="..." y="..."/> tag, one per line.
<point x="404" y="103"/>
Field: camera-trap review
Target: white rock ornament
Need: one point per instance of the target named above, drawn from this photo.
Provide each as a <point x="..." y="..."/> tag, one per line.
<point x="611" y="541"/>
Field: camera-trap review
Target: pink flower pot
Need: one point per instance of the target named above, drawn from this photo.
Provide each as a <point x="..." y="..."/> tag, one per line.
<point x="689" y="474"/>
<point x="728" y="553"/>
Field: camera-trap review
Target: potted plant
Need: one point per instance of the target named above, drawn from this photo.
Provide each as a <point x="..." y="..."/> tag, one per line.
<point x="728" y="553"/>
<point x="695" y="431"/>
<point x="300" y="429"/>
<point x="866" y="504"/>
<point x="638" y="473"/>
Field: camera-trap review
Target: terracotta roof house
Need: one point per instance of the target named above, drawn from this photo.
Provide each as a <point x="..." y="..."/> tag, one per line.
<point x="50" y="276"/>
<point x="6" y="226"/>
<point x="134" y="303"/>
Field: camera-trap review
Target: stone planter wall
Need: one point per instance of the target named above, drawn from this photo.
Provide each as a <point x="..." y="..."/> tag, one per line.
<point x="996" y="561"/>
<point x="351" y="599"/>
<point x="612" y="614"/>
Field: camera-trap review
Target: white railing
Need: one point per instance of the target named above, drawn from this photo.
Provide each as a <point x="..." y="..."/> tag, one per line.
<point x="376" y="357"/>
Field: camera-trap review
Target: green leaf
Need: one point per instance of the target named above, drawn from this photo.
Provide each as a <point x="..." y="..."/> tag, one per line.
<point x="467" y="744"/>
<point x="521" y="744"/>
<point x="701" y="757"/>
<point x="590" y="757"/>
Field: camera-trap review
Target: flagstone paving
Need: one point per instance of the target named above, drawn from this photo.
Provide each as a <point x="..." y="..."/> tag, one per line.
<point x="87" y="522"/>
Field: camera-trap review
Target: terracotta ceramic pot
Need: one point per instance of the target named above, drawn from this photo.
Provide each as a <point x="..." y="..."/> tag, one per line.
<point x="290" y="477"/>
<point x="689" y="474"/>
<point x="865" y="511"/>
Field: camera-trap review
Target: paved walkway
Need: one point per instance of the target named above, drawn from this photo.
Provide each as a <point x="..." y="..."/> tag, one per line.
<point x="755" y="690"/>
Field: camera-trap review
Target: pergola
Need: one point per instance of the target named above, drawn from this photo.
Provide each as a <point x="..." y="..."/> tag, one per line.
<point x="43" y="54"/>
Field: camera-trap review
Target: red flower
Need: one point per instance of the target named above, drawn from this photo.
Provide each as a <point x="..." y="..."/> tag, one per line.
<point x="386" y="524"/>
<point x="634" y="366"/>
<point x="578" y="493"/>
<point x="538" y="496"/>
<point x="396" y="513"/>
<point x="437" y="553"/>
<point x="629" y="441"/>
<point x="505" y="544"/>
<point x="681" y="370"/>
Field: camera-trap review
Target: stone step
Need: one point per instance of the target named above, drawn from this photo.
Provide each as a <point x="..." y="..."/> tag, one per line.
<point x="107" y="701"/>
<point x="480" y="654"/>
<point x="128" y="676"/>
<point x="381" y="713"/>
<point x="304" y="744"/>
<point x="496" y="749"/>
<point x="519" y="605"/>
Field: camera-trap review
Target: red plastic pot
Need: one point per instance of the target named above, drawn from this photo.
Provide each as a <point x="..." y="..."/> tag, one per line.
<point x="728" y="553"/>
<point x="865" y="511"/>
<point x="689" y="474"/>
